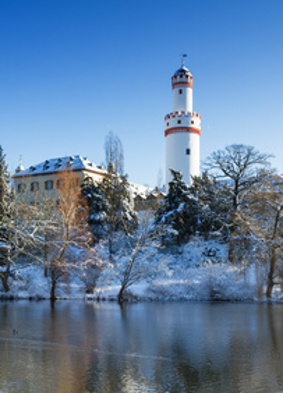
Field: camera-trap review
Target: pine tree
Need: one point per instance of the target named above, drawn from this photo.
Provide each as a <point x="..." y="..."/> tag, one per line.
<point x="111" y="208"/>
<point x="214" y="200"/>
<point x="178" y="217"/>
<point x="96" y="206"/>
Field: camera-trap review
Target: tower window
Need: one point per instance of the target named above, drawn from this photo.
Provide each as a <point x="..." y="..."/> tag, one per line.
<point x="192" y="122"/>
<point x="167" y="123"/>
<point x="188" y="152"/>
<point x="179" y="121"/>
<point x="180" y="91"/>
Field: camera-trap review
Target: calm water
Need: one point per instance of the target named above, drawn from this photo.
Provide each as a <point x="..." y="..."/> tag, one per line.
<point x="77" y="347"/>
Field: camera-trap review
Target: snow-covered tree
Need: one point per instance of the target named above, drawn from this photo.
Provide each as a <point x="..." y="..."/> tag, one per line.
<point x="20" y="239"/>
<point x="214" y="201"/>
<point x="111" y="208"/>
<point x="4" y="183"/>
<point x="243" y="167"/>
<point x="18" y="229"/>
<point x="258" y="231"/>
<point x="133" y="267"/>
<point x="178" y="217"/>
<point x="68" y="234"/>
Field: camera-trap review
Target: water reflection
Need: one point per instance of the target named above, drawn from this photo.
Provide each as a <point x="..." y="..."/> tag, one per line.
<point x="76" y="347"/>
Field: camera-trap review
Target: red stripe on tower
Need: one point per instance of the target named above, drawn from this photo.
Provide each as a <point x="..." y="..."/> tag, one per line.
<point x="181" y="130"/>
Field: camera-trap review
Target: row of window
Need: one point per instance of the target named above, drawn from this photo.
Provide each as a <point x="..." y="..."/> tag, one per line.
<point x="48" y="185"/>
<point x="180" y="122"/>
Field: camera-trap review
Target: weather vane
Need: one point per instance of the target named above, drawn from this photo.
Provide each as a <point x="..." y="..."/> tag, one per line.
<point x="183" y="58"/>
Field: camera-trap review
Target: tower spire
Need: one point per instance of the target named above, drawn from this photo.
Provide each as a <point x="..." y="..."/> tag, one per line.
<point x="183" y="59"/>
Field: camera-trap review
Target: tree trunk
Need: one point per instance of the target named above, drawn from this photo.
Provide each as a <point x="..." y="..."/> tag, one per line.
<point x="4" y="279"/>
<point x="270" y="282"/>
<point x="121" y="294"/>
<point x="110" y="247"/>
<point x="5" y="275"/>
<point x="53" y="286"/>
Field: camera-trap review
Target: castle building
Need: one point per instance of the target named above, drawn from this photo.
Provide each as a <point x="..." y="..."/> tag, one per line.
<point x="182" y="129"/>
<point x="44" y="180"/>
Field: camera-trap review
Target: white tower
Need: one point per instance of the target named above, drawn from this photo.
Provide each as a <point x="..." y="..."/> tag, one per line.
<point x="182" y="129"/>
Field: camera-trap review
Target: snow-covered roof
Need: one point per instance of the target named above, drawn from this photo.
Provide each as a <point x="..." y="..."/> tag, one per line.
<point x="145" y="191"/>
<point x="59" y="164"/>
<point x="138" y="189"/>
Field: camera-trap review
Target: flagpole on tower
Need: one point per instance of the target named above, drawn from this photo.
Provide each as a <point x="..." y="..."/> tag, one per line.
<point x="183" y="58"/>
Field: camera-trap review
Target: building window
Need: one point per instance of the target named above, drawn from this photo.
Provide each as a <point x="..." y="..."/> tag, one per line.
<point x="179" y="121"/>
<point x="180" y="91"/>
<point x="167" y="123"/>
<point x="192" y="122"/>
<point x="188" y="152"/>
<point x="21" y="187"/>
<point x="48" y="185"/>
<point x="34" y="186"/>
<point x="59" y="184"/>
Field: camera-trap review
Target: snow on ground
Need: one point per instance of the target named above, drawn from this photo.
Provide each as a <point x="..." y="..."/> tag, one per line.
<point x="196" y="271"/>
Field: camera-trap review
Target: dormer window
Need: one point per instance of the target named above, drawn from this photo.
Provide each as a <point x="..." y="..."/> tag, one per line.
<point x="46" y="165"/>
<point x="58" y="163"/>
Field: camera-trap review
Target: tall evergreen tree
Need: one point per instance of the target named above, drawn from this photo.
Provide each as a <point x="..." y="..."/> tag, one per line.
<point x="214" y="200"/>
<point x="111" y="208"/>
<point x="178" y="217"/>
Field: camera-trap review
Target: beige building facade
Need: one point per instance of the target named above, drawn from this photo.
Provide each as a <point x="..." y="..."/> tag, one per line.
<point x="44" y="181"/>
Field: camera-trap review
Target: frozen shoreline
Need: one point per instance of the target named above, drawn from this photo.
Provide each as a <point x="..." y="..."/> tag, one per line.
<point x="187" y="274"/>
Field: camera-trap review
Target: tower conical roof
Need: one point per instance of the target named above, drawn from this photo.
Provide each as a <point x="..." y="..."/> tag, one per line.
<point x="183" y="71"/>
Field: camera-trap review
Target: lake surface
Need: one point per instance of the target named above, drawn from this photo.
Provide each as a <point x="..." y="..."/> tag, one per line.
<point x="80" y="347"/>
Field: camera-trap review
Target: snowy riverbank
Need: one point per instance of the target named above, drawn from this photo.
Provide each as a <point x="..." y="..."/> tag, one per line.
<point x="198" y="270"/>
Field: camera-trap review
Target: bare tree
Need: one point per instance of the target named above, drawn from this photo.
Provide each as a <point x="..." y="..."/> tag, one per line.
<point x="258" y="234"/>
<point x="135" y="268"/>
<point x="114" y="152"/>
<point x="240" y="165"/>
<point x="267" y="218"/>
<point x="68" y="231"/>
<point x="19" y="238"/>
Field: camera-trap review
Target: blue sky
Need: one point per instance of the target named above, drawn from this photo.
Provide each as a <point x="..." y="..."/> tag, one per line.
<point x="71" y="71"/>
